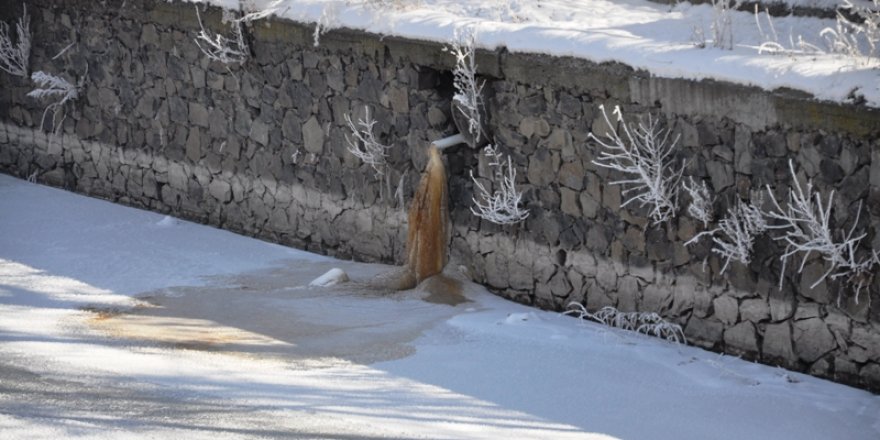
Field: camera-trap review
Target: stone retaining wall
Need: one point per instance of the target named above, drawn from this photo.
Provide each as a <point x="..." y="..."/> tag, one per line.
<point x="260" y="149"/>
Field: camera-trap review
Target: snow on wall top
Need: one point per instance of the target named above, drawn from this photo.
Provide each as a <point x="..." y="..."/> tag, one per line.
<point x="657" y="38"/>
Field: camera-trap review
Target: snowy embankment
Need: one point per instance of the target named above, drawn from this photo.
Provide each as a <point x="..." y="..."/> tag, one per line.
<point x="121" y="323"/>
<point x="658" y="38"/>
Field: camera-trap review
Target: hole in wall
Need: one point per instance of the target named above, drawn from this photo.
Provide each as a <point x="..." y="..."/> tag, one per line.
<point x="561" y="256"/>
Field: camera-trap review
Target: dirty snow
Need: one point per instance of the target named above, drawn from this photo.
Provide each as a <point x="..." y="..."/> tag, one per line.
<point x="112" y="326"/>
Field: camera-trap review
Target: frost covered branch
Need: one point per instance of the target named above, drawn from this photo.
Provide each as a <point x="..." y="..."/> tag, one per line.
<point x="363" y="144"/>
<point x="807" y="224"/>
<point x="722" y="25"/>
<point x="771" y="44"/>
<point x="53" y="87"/>
<point x="328" y="18"/>
<point x="646" y="323"/>
<point x="737" y="233"/>
<point x="701" y="201"/>
<point x="217" y="47"/>
<point x="14" y="57"/>
<point x="646" y="154"/>
<point x="844" y="37"/>
<point x="468" y="90"/>
<point x="503" y="205"/>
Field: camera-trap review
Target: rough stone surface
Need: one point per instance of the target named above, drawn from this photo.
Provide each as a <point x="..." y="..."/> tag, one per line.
<point x="778" y="343"/>
<point x="754" y="310"/>
<point x="726" y="309"/>
<point x="742" y="338"/>
<point x="704" y="332"/>
<point x="869" y="340"/>
<point x="812" y="339"/>
<point x="313" y="136"/>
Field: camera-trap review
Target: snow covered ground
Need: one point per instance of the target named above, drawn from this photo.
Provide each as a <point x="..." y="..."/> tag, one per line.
<point x="120" y="323"/>
<point x="655" y="37"/>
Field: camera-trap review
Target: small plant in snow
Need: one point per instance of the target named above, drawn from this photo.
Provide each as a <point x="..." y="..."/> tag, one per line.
<point x="363" y="144"/>
<point x="646" y="155"/>
<point x="698" y="36"/>
<point x="722" y="26"/>
<point x="14" y="57"/>
<point x="844" y="37"/>
<point x="807" y="224"/>
<point x="503" y="205"/>
<point x="217" y="47"/>
<point x="701" y="201"/>
<point x="468" y="90"/>
<point x="647" y="323"/>
<point x="54" y="87"/>
<point x="772" y="45"/>
<point x="328" y="19"/>
<point x="735" y="235"/>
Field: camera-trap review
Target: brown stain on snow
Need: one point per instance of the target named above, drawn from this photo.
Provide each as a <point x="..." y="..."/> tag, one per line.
<point x="443" y="289"/>
<point x="273" y="314"/>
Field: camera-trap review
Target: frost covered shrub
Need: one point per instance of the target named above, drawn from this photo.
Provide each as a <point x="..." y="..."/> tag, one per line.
<point x="468" y="98"/>
<point x="722" y="25"/>
<point x="645" y="154"/>
<point x="650" y="324"/>
<point x="14" y="57"/>
<point x="501" y="206"/>
<point x="700" y="207"/>
<point x="771" y="44"/>
<point x="363" y="144"/>
<point x="806" y="222"/>
<point x="734" y="237"/>
<point x="217" y="47"/>
<point x="53" y="87"/>
<point x="844" y="37"/>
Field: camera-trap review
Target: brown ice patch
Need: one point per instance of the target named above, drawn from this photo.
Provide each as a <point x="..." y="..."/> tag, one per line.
<point x="273" y="314"/>
<point x="443" y="289"/>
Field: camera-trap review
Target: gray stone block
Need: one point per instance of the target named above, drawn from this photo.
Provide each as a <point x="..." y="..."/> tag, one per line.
<point x="704" y="332"/>
<point x="742" y="338"/>
<point x="726" y="309"/>
<point x="754" y="310"/>
<point x="777" y="343"/>
<point x="259" y="133"/>
<point x="313" y="136"/>
<point x="869" y="339"/>
<point x="812" y="339"/>
<point x="198" y="115"/>
<point x="220" y="190"/>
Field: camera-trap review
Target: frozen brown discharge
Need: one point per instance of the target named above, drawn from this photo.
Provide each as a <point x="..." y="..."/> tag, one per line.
<point x="428" y="230"/>
<point x="426" y="239"/>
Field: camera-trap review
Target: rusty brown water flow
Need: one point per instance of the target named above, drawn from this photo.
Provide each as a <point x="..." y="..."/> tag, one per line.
<point x="426" y="240"/>
<point x="428" y="222"/>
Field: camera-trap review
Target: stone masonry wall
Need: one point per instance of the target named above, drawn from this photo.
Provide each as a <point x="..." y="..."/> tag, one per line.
<point x="260" y="149"/>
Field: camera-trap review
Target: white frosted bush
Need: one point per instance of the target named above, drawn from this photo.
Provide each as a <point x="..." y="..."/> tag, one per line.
<point x="468" y="89"/>
<point x="650" y="324"/>
<point x="53" y="87"/>
<point x="502" y="206"/>
<point x="645" y="154"/>
<point x="806" y="222"/>
<point x="14" y="57"/>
